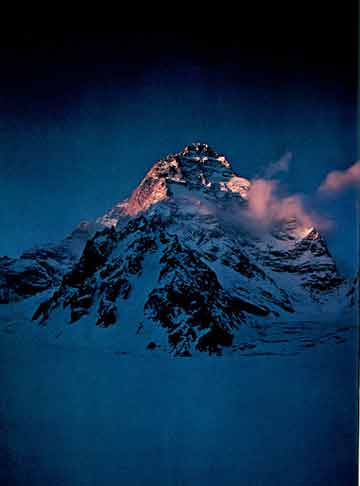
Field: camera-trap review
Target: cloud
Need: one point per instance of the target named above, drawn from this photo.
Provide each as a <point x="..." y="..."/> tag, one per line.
<point x="281" y="165"/>
<point x="340" y="180"/>
<point x="267" y="208"/>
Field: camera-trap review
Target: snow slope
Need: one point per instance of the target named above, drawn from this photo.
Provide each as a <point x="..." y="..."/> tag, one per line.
<point x="82" y="416"/>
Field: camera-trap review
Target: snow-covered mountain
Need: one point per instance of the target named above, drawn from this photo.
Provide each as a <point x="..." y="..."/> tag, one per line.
<point x="175" y="268"/>
<point x="41" y="267"/>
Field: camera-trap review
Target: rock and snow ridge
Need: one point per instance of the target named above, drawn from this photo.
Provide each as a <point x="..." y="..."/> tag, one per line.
<point x="172" y="269"/>
<point x="197" y="168"/>
<point x="41" y="267"/>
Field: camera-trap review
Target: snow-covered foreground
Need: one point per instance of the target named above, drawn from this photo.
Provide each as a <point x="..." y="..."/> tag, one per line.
<point x="89" y="417"/>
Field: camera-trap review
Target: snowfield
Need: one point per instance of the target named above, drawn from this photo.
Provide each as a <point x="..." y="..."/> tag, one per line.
<point x="82" y="415"/>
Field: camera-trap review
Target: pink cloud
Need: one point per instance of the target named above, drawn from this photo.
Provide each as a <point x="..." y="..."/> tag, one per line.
<point x="337" y="180"/>
<point x="266" y="207"/>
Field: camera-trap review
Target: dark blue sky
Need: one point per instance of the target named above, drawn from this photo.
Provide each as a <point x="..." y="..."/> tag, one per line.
<point x="83" y="118"/>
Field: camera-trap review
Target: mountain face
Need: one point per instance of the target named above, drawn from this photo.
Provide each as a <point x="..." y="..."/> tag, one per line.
<point x="174" y="268"/>
<point x="41" y="268"/>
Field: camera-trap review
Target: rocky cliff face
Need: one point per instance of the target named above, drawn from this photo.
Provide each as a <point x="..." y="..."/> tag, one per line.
<point x="172" y="268"/>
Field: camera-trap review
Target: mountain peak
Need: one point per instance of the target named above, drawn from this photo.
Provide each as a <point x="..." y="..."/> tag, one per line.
<point x="198" y="167"/>
<point x="199" y="148"/>
<point x="182" y="270"/>
<point x="202" y="152"/>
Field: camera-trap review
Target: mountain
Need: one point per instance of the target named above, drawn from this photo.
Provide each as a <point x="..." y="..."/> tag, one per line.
<point x="175" y="268"/>
<point x="41" y="268"/>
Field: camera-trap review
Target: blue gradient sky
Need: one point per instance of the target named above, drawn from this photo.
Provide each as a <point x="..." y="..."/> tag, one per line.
<point x="77" y="132"/>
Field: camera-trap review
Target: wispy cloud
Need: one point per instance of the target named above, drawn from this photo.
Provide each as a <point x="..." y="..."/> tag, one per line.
<point x="281" y="165"/>
<point x="267" y="207"/>
<point x="340" y="180"/>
